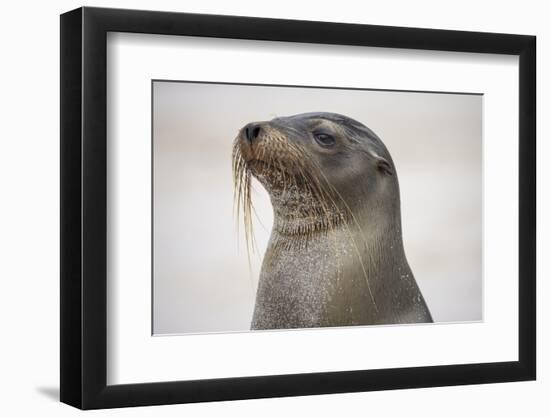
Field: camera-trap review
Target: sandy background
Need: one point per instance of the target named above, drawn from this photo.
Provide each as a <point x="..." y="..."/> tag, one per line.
<point x="201" y="278"/>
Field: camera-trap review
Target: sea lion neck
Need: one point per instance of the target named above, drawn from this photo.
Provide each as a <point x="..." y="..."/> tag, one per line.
<point x="338" y="278"/>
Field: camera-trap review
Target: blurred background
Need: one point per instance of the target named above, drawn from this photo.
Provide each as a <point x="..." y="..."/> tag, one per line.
<point x="202" y="281"/>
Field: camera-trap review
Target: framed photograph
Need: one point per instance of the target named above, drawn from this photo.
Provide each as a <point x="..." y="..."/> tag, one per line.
<point x="256" y="208"/>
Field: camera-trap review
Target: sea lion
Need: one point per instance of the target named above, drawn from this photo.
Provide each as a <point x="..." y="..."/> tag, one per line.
<point x="335" y="256"/>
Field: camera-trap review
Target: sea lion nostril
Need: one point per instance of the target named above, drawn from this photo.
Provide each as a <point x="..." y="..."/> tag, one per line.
<point x="252" y="130"/>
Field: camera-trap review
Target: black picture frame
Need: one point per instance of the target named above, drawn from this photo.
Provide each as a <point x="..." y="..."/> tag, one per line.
<point x="84" y="207"/>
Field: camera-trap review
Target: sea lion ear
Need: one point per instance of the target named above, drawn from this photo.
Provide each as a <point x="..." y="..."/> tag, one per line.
<point x="384" y="166"/>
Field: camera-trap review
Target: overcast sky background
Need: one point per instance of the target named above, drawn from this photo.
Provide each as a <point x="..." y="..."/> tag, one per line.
<point x="201" y="278"/>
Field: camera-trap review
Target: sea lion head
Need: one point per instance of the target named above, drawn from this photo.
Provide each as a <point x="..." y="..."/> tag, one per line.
<point x="320" y="169"/>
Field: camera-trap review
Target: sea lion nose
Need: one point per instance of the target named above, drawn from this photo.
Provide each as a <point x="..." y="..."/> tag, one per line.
<point x="252" y="130"/>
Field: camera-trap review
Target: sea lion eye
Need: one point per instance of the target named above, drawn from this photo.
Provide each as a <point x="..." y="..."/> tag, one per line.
<point x="324" y="139"/>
